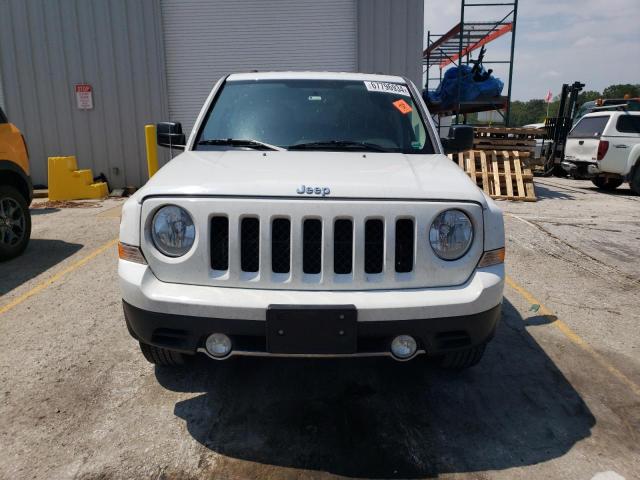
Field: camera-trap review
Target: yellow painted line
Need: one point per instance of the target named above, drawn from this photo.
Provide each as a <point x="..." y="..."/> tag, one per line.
<point x="58" y="276"/>
<point x="576" y="339"/>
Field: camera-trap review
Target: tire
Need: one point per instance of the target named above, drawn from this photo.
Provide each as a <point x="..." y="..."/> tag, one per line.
<point x="607" y="183"/>
<point x="634" y="183"/>
<point x="15" y="223"/>
<point x="464" y="358"/>
<point x="161" y="356"/>
<point x="559" y="172"/>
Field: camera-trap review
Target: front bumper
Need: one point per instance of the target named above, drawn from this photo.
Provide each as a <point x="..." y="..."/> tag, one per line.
<point x="180" y="317"/>
<point x="249" y="337"/>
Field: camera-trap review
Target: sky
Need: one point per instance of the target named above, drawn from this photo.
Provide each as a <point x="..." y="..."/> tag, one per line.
<point x="557" y="41"/>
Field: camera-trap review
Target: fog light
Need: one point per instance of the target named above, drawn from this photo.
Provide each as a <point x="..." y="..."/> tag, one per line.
<point x="218" y="345"/>
<point x="403" y="347"/>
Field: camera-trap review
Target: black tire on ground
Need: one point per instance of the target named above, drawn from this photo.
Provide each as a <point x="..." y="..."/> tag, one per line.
<point x="559" y="172"/>
<point x="161" y="356"/>
<point x="607" y="183"/>
<point x="15" y="223"/>
<point x="464" y="358"/>
<point x="634" y="182"/>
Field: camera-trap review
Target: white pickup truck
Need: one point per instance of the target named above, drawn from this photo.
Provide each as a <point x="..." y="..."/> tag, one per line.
<point x="312" y="214"/>
<point x="607" y="145"/>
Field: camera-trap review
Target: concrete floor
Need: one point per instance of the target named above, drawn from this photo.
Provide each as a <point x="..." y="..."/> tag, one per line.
<point x="556" y="396"/>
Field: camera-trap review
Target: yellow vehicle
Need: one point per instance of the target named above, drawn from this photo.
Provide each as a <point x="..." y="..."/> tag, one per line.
<point x="16" y="191"/>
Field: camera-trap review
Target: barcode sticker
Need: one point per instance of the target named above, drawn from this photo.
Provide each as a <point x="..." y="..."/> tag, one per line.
<point x="386" y="87"/>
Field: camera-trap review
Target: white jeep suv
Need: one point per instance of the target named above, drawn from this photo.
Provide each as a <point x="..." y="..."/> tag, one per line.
<point x="607" y="145"/>
<point x="312" y="214"/>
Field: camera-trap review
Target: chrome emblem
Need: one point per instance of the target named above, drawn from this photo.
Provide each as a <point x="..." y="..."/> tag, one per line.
<point x="308" y="190"/>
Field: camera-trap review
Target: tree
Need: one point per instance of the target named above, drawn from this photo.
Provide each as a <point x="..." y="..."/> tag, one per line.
<point x="531" y="111"/>
<point x="620" y="90"/>
<point x="535" y="110"/>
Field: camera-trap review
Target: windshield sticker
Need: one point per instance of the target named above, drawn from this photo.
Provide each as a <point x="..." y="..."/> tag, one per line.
<point x="385" y="87"/>
<point x="314" y="98"/>
<point x="402" y="106"/>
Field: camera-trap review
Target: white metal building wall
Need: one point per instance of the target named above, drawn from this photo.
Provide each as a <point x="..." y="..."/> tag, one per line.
<point x="116" y="46"/>
<point x="390" y="36"/>
<point x="206" y="39"/>
<point x="1" y="91"/>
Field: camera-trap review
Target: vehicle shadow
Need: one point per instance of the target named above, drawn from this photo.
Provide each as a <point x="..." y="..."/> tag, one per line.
<point x="43" y="211"/>
<point x="377" y="418"/>
<point x="40" y="255"/>
<point x="543" y="193"/>
<point x="622" y="191"/>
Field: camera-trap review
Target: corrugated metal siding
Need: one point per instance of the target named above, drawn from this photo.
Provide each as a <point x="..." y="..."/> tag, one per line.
<point x="207" y="39"/>
<point x="390" y="37"/>
<point x="1" y="91"/>
<point x="47" y="47"/>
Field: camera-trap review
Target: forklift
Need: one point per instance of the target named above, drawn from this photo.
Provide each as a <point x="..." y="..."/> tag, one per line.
<point x="557" y="128"/>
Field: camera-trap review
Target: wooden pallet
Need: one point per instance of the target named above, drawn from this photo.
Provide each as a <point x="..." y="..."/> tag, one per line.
<point x="502" y="144"/>
<point x="513" y="133"/>
<point x="500" y="138"/>
<point x="499" y="173"/>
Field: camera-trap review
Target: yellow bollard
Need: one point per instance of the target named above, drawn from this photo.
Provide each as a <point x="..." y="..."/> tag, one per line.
<point x="152" y="149"/>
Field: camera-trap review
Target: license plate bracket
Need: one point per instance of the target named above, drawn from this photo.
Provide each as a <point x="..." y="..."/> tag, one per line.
<point x="320" y="330"/>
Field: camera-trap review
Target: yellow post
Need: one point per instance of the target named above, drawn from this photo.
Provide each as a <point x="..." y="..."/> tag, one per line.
<point x="152" y="149"/>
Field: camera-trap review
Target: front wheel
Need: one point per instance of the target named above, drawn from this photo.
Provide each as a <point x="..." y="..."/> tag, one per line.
<point x="606" y="183"/>
<point x="161" y="356"/>
<point x="463" y="359"/>
<point x="15" y="223"/>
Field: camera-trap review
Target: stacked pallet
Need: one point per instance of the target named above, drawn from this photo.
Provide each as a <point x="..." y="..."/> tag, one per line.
<point x="500" y="174"/>
<point x="498" y="138"/>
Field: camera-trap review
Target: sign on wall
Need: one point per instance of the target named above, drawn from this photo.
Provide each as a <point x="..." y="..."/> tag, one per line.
<point x="84" y="96"/>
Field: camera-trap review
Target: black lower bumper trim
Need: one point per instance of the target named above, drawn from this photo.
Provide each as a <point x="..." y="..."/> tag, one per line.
<point x="186" y="333"/>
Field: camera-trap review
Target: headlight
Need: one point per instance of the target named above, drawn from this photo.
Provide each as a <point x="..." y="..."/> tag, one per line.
<point x="451" y="234"/>
<point x="172" y="231"/>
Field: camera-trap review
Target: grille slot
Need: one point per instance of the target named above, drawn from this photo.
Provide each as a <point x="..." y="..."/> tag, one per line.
<point x="281" y="245"/>
<point x="343" y="246"/>
<point x="312" y="246"/>
<point x="373" y="246"/>
<point x="220" y="243"/>
<point x="404" y="245"/>
<point x="250" y="245"/>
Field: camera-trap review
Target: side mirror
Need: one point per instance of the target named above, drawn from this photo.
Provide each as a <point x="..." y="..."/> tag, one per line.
<point x="460" y="139"/>
<point x="169" y="134"/>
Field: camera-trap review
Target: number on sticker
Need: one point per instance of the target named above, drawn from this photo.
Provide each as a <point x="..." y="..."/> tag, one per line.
<point x="386" y="87"/>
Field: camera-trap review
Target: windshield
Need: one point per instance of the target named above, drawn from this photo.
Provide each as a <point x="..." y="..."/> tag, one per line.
<point x="314" y="115"/>
<point x="585" y="108"/>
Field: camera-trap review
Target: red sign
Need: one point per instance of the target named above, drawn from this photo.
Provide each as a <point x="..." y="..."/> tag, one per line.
<point x="83" y="87"/>
<point x="84" y="96"/>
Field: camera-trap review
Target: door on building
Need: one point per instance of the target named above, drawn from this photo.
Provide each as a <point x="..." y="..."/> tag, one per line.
<point x="205" y="40"/>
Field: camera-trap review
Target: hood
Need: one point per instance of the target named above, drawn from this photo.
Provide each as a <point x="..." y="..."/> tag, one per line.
<point x="250" y="173"/>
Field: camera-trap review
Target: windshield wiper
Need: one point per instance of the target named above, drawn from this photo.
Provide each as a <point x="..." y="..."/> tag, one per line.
<point x="339" y="144"/>
<point x="236" y="142"/>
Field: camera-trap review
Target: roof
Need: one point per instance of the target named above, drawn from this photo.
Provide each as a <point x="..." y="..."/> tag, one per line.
<point x="611" y="112"/>
<point x="315" y="76"/>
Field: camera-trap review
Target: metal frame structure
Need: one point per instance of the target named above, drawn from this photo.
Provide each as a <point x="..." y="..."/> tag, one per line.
<point x="455" y="47"/>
